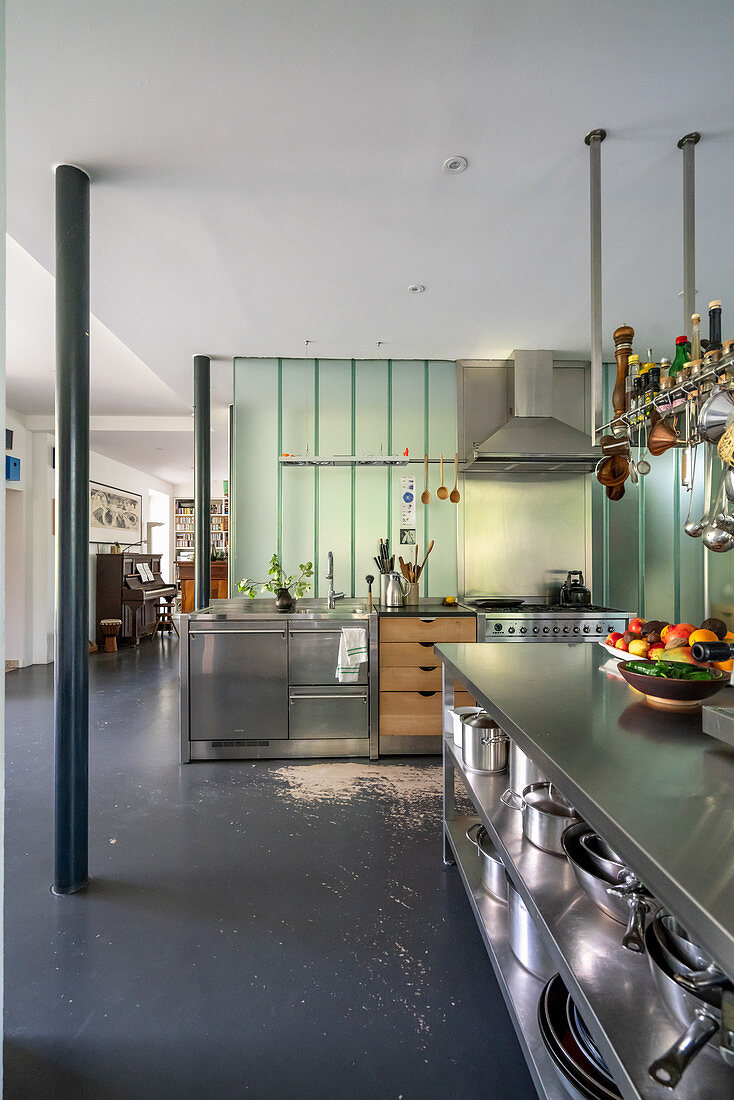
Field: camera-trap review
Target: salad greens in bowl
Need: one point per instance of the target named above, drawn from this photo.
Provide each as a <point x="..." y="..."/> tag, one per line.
<point x="675" y="684"/>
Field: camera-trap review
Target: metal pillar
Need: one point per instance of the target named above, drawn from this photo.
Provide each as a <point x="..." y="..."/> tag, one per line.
<point x="688" y="143"/>
<point x="594" y="139"/>
<point x="202" y="481"/>
<point x="71" y="674"/>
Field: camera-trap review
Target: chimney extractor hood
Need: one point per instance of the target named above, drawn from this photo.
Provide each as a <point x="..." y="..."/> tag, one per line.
<point x="532" y="439"/>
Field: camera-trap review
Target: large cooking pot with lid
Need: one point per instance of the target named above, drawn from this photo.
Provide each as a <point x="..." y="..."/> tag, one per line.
<point x="525" y="941"/>
<point x="484" y="747"/>
<point x="574" y="592"/>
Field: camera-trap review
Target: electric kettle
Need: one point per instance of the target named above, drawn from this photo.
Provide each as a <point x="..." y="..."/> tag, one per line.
<point x="395" y="596"/>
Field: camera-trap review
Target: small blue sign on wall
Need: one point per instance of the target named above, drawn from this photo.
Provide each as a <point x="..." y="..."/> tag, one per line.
<point x="12" y="468"/>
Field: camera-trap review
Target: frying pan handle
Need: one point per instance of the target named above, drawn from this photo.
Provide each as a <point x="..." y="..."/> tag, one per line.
<point x="669" y="1069"/>
<point x="511" y="800"/>
<point x="634" y="937"/>
<point x="700" y="980"/>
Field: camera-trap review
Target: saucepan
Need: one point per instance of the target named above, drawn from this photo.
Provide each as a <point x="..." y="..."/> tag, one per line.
<point x="523" y="772"/>
<point x="545" y="815"/>
<point x="699" y="1012"/>
<point x="494" y="877"/>
<point x="617" y="891"/>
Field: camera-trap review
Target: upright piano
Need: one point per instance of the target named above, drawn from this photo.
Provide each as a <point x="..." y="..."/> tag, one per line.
<point x="123" y="594"/>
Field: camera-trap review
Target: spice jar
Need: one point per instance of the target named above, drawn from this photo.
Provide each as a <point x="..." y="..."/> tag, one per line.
<point x="695" y="369"/>
<point x="725" y="366"/>
<point x="666" y="403"/>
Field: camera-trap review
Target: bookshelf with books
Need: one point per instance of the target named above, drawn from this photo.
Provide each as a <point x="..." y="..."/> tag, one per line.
<point x="183" y="529"/>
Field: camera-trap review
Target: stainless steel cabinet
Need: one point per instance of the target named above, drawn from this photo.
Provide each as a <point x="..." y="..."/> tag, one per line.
<point x="238" y="683"/>
<point x="317" y="713"/>
<point x="313" y="654"/>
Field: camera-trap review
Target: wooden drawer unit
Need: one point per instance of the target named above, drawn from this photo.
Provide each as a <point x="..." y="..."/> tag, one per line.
<point x="443" y="628"/>
<point x="410" y="677"/>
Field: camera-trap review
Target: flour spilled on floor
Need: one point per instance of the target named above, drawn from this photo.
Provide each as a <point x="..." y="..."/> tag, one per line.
<point x="406" y="789"/>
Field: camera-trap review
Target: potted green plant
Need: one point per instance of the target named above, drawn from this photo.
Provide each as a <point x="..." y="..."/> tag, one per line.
<point x="280" y="584"/>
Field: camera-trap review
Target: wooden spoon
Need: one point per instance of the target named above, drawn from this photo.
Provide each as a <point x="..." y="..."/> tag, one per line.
<point x="425" y="495"/>
<point x="455" y="494"/>
<point x="420" y="567"/>
<point x="442" y="492"/>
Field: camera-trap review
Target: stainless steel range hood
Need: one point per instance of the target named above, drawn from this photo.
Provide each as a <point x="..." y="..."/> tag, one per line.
<point x="532" y="439"/>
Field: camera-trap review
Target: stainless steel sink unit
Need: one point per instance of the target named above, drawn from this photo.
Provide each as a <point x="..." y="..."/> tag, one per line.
<point x="256" y="684"/>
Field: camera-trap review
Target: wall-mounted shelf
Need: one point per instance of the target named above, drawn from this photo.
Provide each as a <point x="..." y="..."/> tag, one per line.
<point x="689" y="391"/>
<point x="343" y="460"/>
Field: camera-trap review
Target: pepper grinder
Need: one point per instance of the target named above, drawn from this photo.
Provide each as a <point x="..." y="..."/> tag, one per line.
<point x="370" y="581"/>
<point x="622" y="337"/>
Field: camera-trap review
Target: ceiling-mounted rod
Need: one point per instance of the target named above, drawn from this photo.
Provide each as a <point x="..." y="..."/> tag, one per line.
<point x="688" y="143"/>
<point x="594" y="139"/>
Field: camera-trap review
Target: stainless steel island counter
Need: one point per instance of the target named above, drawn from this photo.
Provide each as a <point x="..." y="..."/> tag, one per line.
<point x="658" y="788"/>
<point x="661" y="793"/>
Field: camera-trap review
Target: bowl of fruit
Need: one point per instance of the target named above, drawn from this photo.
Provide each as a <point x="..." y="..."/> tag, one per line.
<point x="653" y="639"/>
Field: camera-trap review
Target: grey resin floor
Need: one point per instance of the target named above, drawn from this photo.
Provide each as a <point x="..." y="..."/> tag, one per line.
<point x="251" y="930"/>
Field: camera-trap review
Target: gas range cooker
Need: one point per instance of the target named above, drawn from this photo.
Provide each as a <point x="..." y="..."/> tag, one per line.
<point x="531" y="622"/>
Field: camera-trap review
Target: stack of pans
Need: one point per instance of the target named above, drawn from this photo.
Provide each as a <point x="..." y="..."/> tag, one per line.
<point x="575" y="1055"/>
<point x="693" y="990"/>
<point x="613" y="888"/>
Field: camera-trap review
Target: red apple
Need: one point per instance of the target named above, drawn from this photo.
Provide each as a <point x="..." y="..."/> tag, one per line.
<point x="621" y="644"/>
<point x="613" y="638"/>
<point x="656" y="653"/>
<point x="636" y="625"/>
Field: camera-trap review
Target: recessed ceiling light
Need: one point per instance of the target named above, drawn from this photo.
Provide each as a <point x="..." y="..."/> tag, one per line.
<point x="416" y="288"/>
<point x="455" y="164"/>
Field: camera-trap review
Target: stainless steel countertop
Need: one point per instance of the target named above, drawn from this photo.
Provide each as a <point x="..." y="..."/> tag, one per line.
<point x="650" y="781"/>
<point x="427" y="607"/>
<point x="237" y="610"/>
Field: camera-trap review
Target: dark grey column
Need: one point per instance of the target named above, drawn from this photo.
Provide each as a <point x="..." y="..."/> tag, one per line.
<point x="202" y="480"/>
<point x="71" y="674"/>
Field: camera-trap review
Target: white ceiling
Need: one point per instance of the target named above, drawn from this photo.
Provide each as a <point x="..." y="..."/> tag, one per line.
<point x="269" y="172"/>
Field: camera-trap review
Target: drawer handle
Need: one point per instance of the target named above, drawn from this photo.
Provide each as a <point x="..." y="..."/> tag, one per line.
<point x="427" y="620"/>
<point x="426" y="694"/>
<point x="426" y="645"/>
<point x="338" y="698"/>
<point x="428" y="668"/>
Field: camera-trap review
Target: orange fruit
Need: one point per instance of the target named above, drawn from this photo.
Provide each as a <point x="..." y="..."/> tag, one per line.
<point x="702" y="636"/>
<point x="728" y="637"/>
<point x="725" y="666"/>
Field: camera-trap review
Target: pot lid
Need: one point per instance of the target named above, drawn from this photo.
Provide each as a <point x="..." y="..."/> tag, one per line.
<point x="481" y="720"/>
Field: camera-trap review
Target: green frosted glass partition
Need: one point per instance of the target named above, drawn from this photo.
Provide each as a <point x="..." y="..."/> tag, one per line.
<point x="650" y="565"/>
<point x="329" y="406"/>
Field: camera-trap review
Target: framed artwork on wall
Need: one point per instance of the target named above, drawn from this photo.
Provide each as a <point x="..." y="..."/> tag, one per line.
<point x="114" y="514"/>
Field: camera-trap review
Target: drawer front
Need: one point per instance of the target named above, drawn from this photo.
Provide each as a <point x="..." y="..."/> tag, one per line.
<point x="411" y="679"/>
<point x="410" y="702"/>
<point x="327" y="715"/>
<point x="312" y="656"/>
<point x="442" y="628"/>
<point x="402" y="725"/>
<point x="407" y="654"/>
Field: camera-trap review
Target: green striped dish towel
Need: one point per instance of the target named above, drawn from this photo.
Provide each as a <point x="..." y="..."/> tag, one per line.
<point x="352" y="654"/>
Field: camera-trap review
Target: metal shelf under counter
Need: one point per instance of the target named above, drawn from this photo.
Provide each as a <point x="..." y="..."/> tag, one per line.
<point x="612" y="988"/>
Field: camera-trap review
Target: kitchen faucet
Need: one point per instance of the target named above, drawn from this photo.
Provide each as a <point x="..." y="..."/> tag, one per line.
<point x="331" y="595"/>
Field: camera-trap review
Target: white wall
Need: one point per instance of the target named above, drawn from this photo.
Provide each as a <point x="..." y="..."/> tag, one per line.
<point x="31" y="558"/>
<point x="120" y="476"/>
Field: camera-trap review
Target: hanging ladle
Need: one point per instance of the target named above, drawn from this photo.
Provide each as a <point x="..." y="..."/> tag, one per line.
<point x="693" y="528"/>
<point x="716" y="537"/>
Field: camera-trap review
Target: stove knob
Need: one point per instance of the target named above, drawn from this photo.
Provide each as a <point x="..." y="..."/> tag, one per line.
<point x="511" y="630"/>
<point x="565" y="630"/>
<point x="599" y="628"/>
<point x="586" y="629"/>
<point x="575" y="630"/>
<point x="536" y="630"/>
<point x="498" y="626"/>
<point x="546" y="630"/>
<point x="523" y="630"/>
<point x="556" y="629"/>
